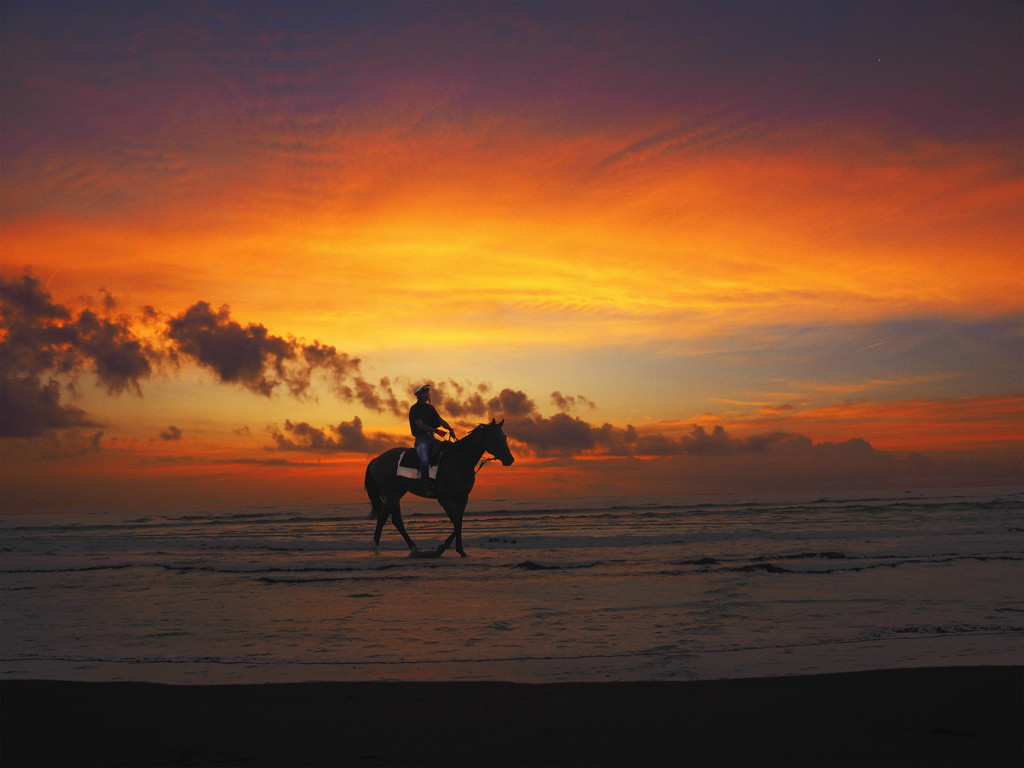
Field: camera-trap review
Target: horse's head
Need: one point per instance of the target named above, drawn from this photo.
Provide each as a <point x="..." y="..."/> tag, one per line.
<point x="497" y="444"/>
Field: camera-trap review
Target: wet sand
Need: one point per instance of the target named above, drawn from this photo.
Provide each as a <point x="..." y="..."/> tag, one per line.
<point x="947" y="716"/>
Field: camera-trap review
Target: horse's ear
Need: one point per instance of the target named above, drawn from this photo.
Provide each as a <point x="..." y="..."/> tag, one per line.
<point x="502" y="422"/>
<point x="492" y="421"/>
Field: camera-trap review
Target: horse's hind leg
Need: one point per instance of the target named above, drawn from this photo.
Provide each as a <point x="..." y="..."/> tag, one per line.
<point x="393" y="511"/>
<point x="396" y="519"/>
<point x="381" y="519"/>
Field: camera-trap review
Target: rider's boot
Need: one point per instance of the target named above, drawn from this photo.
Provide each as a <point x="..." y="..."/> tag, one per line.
<point x="428" y="484"/>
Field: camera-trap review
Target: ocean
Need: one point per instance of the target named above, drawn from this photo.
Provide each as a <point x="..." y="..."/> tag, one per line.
<point x="582" y="589"/>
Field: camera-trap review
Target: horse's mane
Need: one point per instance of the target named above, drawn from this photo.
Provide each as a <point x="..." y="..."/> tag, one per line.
<point x="472" y="433"/>
<point x="478" y="428"/>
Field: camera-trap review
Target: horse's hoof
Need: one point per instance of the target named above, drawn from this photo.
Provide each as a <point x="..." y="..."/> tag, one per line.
<point x="424" y="553"/>
<point x="461" y="553"/>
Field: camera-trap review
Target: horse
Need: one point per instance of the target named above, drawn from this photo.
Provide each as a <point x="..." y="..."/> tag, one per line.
<point x="455" y="478"/>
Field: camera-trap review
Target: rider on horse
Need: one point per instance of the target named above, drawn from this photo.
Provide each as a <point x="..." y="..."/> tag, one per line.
<point x="424" y="421"/>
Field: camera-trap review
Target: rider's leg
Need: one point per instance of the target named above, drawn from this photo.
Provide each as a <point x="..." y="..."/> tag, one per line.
<point x="423" y="452"/>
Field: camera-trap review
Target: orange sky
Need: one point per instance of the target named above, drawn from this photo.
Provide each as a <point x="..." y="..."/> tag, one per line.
<point x="814" y="231"/>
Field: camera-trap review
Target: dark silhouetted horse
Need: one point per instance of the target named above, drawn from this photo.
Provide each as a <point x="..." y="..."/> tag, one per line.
<point x="455" y="477"/>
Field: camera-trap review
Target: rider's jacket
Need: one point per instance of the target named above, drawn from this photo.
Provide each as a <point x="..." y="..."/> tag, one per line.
<point x="426" y="413"/>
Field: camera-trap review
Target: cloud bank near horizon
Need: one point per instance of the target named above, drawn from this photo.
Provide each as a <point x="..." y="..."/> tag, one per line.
<point x="46" y="347"/>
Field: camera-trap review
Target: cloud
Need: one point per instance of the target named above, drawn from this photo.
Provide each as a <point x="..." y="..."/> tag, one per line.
<point x="30" y="408"/>
<point x="346" y="437"/>
<point x="170" y="434"/>
<point x="778" y="442"/>
<point x="262" y="362"/>
<point x="700" y="443"/>
<point x="512" y="403"/>
<point x="469" y="402"/>
<point x="569" y="436"/>
<point x="41" y="341"/>
<point x="459" y="401"/>
<point x="568" y="403"/>
<point x="120" y="359"/>
<point x="559" y="435"/>
<point x="41" y="336"/>
<point x="236" y="354"/>
<point x="45" y="346"/>
<point x="379" y="398"/>
<point x="712" y="459"/>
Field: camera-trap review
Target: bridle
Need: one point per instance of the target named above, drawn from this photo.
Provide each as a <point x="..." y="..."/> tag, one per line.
<point x="485" y="460"/>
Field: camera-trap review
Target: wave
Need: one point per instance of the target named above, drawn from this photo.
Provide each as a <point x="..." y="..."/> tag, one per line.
<point x="637" y="561"/>
<point x="530" y="565"/>
<point x="769" y="564"/>
<point x="923" y="632"/>
<point x="70" y="569"/>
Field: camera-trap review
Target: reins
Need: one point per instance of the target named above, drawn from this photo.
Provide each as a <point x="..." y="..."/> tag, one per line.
<point x="484" y="461"/>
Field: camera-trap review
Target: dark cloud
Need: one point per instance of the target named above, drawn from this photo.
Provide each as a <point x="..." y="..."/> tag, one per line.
<point x="29" y="408"/>
<point x="459" y="401"/>
<point x="779" y="442"/>
<point x="379" y="398"/>
<point x="262" y="362"/>
<point x="567" y="403"/>
<point x="170" y="434"/>
<point x="470" y="402"/>
<point x="44" y="346"/>
<point x="346" y="437"/>
<point x="511" y="404"/>
<point x="93" y="445"/>
<point x="560" y="435"/>
<point x="565" y="435"/>
<point x="41" y="341"/>
<point x="340" y="370"/>
<point x="700" y="443"/>
<point x="615" y="440"/>
<point x="657" y="444"/>
<point x="849" y="448"/>
<point x="39" y="336"/>
<point x="120" y="359"/>
<point x="236" y="354"/>
<point x="25" y="303"/>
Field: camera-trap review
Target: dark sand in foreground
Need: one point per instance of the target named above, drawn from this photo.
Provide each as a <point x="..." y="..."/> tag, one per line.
<point x="949" y="716"/>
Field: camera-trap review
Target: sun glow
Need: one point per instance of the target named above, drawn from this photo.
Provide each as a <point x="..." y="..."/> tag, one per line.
<point x="628" y="224"/>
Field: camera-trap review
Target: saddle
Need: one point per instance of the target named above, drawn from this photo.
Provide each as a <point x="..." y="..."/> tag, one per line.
<point x="409" y="462"/>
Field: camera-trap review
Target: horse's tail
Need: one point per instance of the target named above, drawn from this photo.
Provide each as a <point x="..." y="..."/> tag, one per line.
<point x="373" y="491"/>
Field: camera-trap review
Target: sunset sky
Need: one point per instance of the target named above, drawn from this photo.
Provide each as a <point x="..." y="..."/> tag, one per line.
<point x="678" y="247"/>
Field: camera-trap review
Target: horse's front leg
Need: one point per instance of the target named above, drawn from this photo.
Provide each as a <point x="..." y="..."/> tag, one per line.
<point x="455" y="508"/>
<point x="442" y="547"/>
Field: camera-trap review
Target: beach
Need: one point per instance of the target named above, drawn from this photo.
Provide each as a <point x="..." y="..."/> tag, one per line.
<point x="585" y="590"/>
<point x="789" y="630"/>
<point x="933" y="716"/>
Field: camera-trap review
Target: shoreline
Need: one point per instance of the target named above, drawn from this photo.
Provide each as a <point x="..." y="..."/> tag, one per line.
<point x="918" y="716"/>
